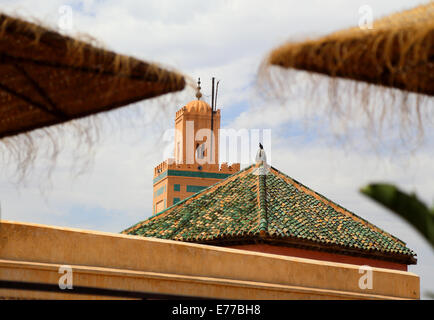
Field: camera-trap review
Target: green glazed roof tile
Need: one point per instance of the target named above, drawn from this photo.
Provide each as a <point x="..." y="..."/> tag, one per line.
<point x="247" y="205"/>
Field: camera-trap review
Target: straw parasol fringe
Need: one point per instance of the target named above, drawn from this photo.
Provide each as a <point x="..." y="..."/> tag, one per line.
<point x="53" y="85"/>
<point x="60" y="78"/>
<point x="34" y="155"/>
<point x="398" y="53"/>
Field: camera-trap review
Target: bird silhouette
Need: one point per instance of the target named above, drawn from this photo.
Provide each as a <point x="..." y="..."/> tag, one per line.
<point x="260" y="146"/>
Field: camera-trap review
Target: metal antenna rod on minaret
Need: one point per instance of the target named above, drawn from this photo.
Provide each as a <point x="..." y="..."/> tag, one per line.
<point x="212" y="94"/>
<point x="216" y="94"/>
<point x="212" y="119"/>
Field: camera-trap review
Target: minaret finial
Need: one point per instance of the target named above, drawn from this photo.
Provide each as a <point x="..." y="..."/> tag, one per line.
<point x="198" y="93"/>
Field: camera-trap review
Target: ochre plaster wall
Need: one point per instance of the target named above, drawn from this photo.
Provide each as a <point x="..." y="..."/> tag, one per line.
<point x="319" y="255"/>
<point x="31" y="252"/>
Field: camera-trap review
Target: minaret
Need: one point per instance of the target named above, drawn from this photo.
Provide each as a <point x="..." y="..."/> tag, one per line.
<point x="193" y="133"/>
<point x="195" y="166"/>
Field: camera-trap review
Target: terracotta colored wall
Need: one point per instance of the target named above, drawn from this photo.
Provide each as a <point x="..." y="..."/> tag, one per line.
<point x="183" y="182"/>
<point x="30" y="252"/>
<point x="201" y="120"/>
<point x="158" y="201"/>
<point x="318" y="255"/>
<point x="169" y="194"/>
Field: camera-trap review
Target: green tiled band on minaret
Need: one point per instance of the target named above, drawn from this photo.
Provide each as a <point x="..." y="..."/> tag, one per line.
<point x="194" y="174"/>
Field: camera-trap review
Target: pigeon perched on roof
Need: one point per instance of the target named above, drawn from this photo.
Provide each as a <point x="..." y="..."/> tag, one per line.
<point x="260" y="155"/>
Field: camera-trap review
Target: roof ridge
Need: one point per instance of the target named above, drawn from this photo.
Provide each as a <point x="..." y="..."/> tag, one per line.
<point x="263" y="223"/>
<point x="336" y="206"/>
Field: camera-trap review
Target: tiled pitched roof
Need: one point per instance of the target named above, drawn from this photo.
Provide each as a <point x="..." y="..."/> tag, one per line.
<point x="274" y="208"/>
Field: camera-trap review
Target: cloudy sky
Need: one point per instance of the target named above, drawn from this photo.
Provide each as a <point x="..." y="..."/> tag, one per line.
<point x="228" y="40"/>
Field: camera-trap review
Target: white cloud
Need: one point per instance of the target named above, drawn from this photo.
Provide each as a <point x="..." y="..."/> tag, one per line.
<point x="226" y="39"/>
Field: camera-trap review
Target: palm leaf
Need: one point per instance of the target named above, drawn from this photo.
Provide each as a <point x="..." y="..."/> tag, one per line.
<point x="408" y="206"/>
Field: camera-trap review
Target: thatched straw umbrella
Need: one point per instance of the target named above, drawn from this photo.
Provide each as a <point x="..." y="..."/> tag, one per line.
<point x="48" y="78"/>
<point x="62" y="86"/>
<point x="398" y="52"/>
